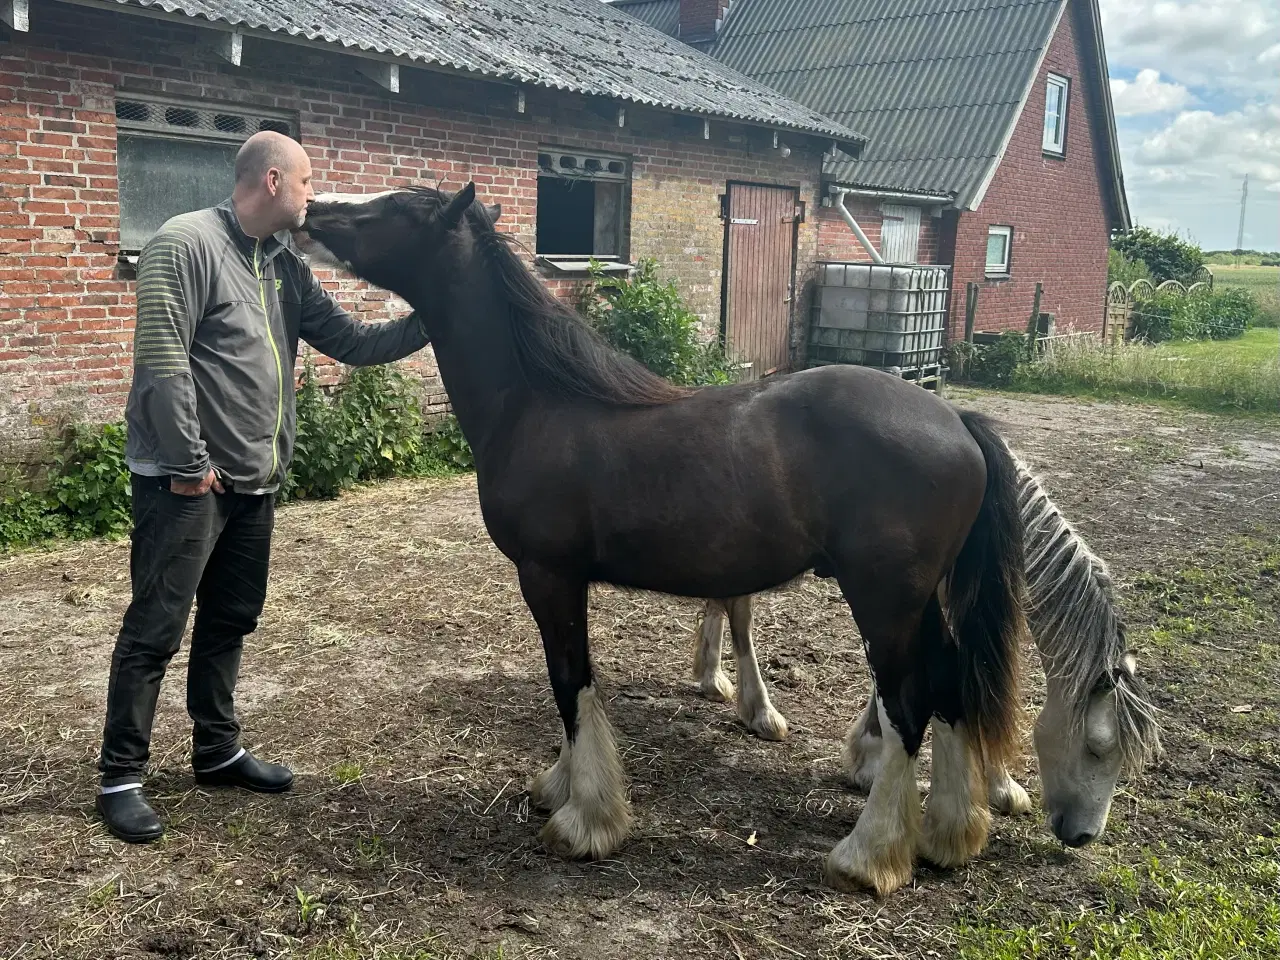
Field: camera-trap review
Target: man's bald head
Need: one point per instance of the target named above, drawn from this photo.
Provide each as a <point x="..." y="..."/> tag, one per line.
<point x="273" y="184"/>
<point x="264" y="150"/>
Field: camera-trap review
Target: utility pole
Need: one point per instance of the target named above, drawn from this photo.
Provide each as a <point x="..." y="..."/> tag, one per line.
<point x="1244" y="199"/>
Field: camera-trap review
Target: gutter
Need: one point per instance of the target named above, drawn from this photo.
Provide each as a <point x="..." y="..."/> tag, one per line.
<point x="929" y="199"/>
<point x="838" y="203"/>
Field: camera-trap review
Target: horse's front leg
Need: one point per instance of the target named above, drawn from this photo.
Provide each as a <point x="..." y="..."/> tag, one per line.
<point x="754" y="706"/>
<point x="585" y="787"/>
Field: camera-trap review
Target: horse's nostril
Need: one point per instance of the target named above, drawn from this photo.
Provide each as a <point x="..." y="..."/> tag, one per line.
<point x="1079" y="840"/>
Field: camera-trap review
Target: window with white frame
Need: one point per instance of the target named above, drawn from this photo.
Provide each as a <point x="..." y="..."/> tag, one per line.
<point x="582" y="206"/>
<point x="999" y="242"/>
<point x="900" y="233"/>
<point x="175" y="156"/>
<point x="1056" y="98"/>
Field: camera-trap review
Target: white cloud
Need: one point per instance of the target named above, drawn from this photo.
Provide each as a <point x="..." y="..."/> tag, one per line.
<point x="1184" y="172"/>
<point x="1219" y="45"/>
<point x="1147" y="93"/>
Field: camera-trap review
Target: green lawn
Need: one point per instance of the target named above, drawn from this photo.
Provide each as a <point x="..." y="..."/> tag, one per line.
<point x="1260" y="345"/>
<point x="1241" y="374"/>
<point x="1262" y="282"/>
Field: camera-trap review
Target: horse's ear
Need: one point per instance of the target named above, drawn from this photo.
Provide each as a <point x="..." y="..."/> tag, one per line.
<point x="463" y="199"/>
<point x="495" y="211"/>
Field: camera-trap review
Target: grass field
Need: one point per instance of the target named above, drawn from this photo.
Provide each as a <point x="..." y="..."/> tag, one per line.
<point x="1241" y="374"/>
<point x="1262" y="282"/>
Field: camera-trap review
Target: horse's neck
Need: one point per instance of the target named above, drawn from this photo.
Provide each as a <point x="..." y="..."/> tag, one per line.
<point x="477" y="360"/>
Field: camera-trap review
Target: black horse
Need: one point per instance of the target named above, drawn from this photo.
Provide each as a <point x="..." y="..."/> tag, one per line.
<point x="592" y="469"/>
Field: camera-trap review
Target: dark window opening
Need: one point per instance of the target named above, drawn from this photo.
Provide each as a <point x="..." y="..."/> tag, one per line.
<point x="579" y="217"/>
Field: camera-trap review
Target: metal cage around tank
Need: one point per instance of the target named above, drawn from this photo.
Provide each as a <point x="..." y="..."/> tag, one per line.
<point x="889" y="316"/>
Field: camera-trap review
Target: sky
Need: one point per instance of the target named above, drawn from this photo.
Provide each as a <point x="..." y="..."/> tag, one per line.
<point x="1196" y="88"/>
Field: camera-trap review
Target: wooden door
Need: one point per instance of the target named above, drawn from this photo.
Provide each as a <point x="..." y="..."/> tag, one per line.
<point x="759" y="273"/>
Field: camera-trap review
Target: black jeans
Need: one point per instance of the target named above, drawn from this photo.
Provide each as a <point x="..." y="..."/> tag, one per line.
<point x="212" y="549"/>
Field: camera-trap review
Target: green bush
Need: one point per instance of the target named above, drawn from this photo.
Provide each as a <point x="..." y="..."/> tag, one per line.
<point x="1167" y="256"/>
<point x="1202" y="315"/>
<point x="647" y="319"/>
<point x="988" y="364"/>
<point x="371" y="428"/>
<point x="84" y="493"/>
<point x="1122" y="269"/>
<point x="445" y="450"/>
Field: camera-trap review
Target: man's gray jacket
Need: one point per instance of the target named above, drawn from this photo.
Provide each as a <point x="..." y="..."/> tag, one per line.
<point x="219" y="317"/>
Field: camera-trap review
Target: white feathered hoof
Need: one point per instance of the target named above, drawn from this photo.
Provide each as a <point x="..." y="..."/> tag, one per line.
<point x="1007" y="796"/>
<point x="863" y="755"/>
<point x="765" y="722"/>
<point x="576" y="832"/>
<point x="717" y="686"/>
<point x="956" y="837"/>
<point x="861" y="862"/>
<point x="549" y="790"/>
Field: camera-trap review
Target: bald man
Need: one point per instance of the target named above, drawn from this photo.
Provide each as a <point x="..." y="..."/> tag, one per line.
<point x="223" y="298"/>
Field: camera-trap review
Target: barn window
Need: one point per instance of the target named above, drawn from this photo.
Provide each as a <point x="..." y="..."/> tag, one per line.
<point x="582" y="207"/>
<point x="900" y="233"/>
<point x="1055" y="114"/>
<point x="999" y="240"/>
<point x="174" y="157"/>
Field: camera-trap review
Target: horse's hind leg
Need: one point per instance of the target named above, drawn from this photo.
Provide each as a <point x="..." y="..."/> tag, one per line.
<point x="712" y="680"/>
<point x="585" y="787"/>
<point x="754" y="706"/>
<point x="863" y="746"/>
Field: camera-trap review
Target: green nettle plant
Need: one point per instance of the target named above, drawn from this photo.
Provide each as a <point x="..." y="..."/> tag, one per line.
<point x="647" y="319"/>
<point x="370" y="428"/>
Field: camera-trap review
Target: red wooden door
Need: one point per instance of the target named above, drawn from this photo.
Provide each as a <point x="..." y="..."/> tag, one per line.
<point x="759" y="273"/>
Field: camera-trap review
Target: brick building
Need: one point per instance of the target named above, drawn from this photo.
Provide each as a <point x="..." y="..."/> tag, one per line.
<point x="991" y="137"/>
<point x="598" y="135"/>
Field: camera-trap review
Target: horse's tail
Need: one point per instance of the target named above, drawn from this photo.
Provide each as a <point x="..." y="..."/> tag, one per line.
<point x="985" y="595"/>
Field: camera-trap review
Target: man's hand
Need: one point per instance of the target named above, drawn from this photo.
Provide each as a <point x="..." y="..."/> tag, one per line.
<point x="196" y="488"/>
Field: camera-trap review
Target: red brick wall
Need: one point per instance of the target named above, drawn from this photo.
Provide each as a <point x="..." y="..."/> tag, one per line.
<point x="66" y="308"/>
<point x="1056" y="208"/>
<point x="837" y="242"/>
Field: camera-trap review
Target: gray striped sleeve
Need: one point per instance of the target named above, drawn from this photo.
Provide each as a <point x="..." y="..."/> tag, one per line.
<point x="171" y="299"/>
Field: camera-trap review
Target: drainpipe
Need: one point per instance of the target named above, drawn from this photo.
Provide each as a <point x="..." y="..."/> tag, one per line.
<point x="857" y="230"/>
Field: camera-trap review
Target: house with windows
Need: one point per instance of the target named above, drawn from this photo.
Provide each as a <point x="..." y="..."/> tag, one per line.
<point x="600" y="136"/>
<point x="991" y="137"/>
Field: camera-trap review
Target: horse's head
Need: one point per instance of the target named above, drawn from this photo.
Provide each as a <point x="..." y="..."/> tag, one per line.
<point x="1080" y="763"/>
<point x="394" y="239"/>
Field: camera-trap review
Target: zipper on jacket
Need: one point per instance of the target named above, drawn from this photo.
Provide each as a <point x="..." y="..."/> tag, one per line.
<point x="262" y="298"/>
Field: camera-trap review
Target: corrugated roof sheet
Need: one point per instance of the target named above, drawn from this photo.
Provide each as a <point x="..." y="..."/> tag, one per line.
<point x="581" y="46"/>
<point x="933" y="84"/>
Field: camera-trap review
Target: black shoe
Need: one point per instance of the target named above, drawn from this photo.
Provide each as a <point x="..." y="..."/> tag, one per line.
<point x="128" y="816"/>
<point x="250" y="773"/>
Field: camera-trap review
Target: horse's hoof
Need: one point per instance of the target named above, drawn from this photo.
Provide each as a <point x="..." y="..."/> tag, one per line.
<point x="717" y="687"/>
<point x="549" y="790"/>
<point x="862" y="756"/>
<point x="952" y="841"/>
<point x="575" y="833"/>
<point x="1008" y="797"/>
<point x="767" y="724"/>
<point x="851" y="868"/>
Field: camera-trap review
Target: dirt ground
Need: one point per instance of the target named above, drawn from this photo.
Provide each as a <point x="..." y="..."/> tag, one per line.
<point x="397" y="670"/>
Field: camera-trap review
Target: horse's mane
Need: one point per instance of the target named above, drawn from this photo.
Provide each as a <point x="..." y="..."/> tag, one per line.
<point x="557" y="350"/>
<point x="1075" y="623"/>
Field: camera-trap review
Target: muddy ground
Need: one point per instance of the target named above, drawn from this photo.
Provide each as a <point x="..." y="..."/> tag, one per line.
<point x="399" y="673"/>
